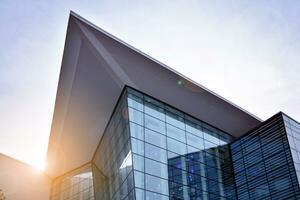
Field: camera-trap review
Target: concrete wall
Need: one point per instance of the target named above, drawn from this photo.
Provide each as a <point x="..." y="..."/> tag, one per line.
<point x="19" y="181"/>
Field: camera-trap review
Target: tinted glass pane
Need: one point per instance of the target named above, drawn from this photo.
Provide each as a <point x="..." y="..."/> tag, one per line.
<point x="209" y="145"/>
<point x="194" y="141"/>
<point x="155" y="124"/>
<point x="139" y="179"/>
<point x="176" y="133"/>
<point x="137" y="146"/>
<point x="176" y="146"/>
<point x="138" y="162"/>
<point x="137" y="131"/>
<point x="135" y="102"/>
<point x="136" y="116"/>
<point x="175" y="120"/>
<point x="157" y="185"/>
<point x="196" y="130"/>
<point x="155" y="196"/>
<point x="209" y="136"/>
<point x="155" y="138"/>
<point x="155" y="153"/>
<point x="156" y="168"/>
<point x="140" y="194"/>
<point x="155" y="111"/>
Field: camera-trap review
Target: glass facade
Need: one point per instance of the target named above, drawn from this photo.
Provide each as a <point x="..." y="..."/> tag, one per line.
<point x="293" y="133"/>
<point x="263" y="163"/>
<point x="152" y="151"/>
<point x="75" y="185"/>
<point x="176" y="156"/>
<point x="113" y="159"/>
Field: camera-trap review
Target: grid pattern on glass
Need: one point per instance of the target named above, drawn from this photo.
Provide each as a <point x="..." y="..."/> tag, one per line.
<point x="77" y="185"/>
<point x="176" y="156"/>
<point x="113" y="158"/>
<point x="263" y="164"/>
<point x="292" y="128"/>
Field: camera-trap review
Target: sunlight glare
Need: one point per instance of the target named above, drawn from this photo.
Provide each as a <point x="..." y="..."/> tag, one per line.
<point x="38" y="164"/>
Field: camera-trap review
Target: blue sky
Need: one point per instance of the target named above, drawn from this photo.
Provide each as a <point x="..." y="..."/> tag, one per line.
<point x="246" y="51"/>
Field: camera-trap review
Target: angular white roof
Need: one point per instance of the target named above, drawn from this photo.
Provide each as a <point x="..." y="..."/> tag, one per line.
<point x="95" y="68"/>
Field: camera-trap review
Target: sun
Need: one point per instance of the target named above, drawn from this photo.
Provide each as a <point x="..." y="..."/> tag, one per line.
<point x="38" y="164"/>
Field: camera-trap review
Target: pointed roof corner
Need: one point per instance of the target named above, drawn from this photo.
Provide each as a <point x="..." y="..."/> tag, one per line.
<point x="95" y="67"/>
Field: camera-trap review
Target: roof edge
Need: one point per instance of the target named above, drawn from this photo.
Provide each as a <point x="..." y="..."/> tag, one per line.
<point x="77" y="16"/>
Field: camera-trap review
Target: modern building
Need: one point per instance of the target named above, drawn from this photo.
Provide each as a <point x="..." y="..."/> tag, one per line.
<point x="126" y="126"/>
<point x="266" y="160"/>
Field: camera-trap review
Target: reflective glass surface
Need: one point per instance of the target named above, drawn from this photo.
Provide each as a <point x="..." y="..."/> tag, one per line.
<point x="112" y="169"/>
<point x="293" y="133"/>
<point x="263" y="163"/>
<point x="77" y="184"/>
<point x="152" y="151"/>
<point x="176" y="156"/>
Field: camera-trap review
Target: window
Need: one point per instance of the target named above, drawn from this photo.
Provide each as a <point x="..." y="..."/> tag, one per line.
<point x="137" y="146"/>
<point x="139" y="179"/>
<point x="156" y="184"/>
<point x="155" y="111"/>
<point x="155" y="138"/>
<point x="176" y="133"/>
<point x="155" y="153"/>
<point x="156" y="168"/>
<point x="137" y="131"/>
<point x="136" y="116"/>
<point x="176" y="146"/>
<point x="155" y="124"/>
<point x="194" y="141"/>
<point x="135" y="102"/>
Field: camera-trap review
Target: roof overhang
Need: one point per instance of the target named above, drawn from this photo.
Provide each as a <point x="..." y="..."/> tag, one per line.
<point x="95" y="68"/>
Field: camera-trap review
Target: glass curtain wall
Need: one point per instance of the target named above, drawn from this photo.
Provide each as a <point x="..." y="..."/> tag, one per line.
<point x="75" y="185"/>
<point x="263" y="164"/>
<point x="292" y="128"/>
<point x="151" y="151"/>
<point x="176" y="156"/>
<point x="113" y="175"/>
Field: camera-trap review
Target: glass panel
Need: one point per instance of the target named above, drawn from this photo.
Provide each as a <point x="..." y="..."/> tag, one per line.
<point x="155" y="111"/>
<point x="209" y="136"/>
<point x="176" y="146"/>
<point x="155" y="124"/>
<point x="135" y="102"/>
<point x="136" y="116"/>
<point x="194" y="141"/>
<point x="155" y="196"/>
<point x="156" y="168"/>
<point x="191" y="149"/>
<point x="209" y="145"/>
<point x="176" y="133"/>
<point x="138" y="162"/>
<point x="140" y="194"/>
<point x="155" y="138"/>
<point x="139" y="179"/>
<point x="137" y="131"/>
<point x="175" y="120"/>
<point x="137" y="146"/>
<point x="157" y="185"/>
<point x="194" y="129"/>
<point x="156" y="153"/>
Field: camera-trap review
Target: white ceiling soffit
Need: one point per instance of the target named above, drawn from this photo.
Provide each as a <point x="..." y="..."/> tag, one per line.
<point x="95" y="68"/>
